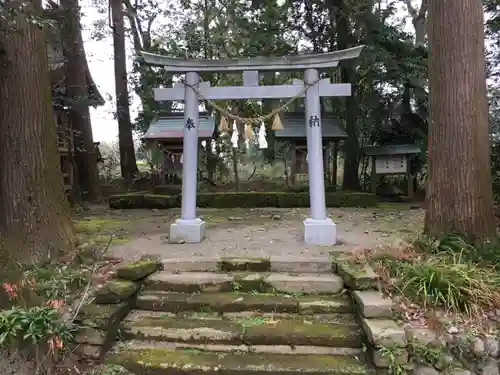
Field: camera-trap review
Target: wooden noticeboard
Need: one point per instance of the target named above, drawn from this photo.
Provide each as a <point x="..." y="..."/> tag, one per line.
<point x="391" y="164"/>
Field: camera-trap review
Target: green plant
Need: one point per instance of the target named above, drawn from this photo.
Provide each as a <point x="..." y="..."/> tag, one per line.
<point x="56" y="282"/>
<point x="242" y="200"/>
<point x="452" y="282"/>
<point x="35" y="325"/>
<point x="392" y="354"/>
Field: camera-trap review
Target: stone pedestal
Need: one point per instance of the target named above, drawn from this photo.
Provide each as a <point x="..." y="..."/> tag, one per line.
<point x="320" y="232"/>
<point x="187" y="231"/>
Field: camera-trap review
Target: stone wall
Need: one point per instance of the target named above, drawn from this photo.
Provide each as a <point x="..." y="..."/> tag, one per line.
<point x="400" y="348"/>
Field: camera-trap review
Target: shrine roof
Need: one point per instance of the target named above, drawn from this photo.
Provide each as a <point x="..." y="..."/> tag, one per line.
<point x="391" y="150"/>
<point x="171" y="126"/>
<point x="294" y="127"/>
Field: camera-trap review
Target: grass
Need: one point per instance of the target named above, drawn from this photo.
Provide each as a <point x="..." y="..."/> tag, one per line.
<point x="447" y="273"/>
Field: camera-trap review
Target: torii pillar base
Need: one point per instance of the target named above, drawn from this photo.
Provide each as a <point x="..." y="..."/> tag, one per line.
<point x="320" y="232"/>
<point x="187" y="231"/>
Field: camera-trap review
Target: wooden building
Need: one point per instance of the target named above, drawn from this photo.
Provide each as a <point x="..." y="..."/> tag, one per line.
<point x="59" y="103"/>
<point x="294" y="132"/>
<point x="166" y="132"/>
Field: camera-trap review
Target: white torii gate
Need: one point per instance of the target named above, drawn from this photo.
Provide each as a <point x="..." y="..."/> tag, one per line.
<point x="318" y="229"/>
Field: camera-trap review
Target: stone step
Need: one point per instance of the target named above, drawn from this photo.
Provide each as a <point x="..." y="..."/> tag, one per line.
<point x="262" y="282"/>
<point x="305" y="264"/>
<point x="237" y="302"/>
<point x="148" y="358"/>
<point x="249" y="330"/>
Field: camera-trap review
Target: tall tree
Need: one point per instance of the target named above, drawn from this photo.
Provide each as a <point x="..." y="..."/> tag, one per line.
<point x="460" y="192"/>
<point x="35" y="223"/>
<point x="78" y="94"/>
<point x="128" y="163"/>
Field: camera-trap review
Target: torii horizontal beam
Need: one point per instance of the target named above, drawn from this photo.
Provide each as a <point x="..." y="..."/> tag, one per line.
<point x="253" y="92"/>
<point x="291" y="62"/>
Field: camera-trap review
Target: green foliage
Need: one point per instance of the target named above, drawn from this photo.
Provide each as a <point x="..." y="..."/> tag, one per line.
<point x="448" y="272"/>
<point x="452" y="283"/>
<point x="35" y="325"/>
<point x="243" y="199"/>
<point x="56" y="283"/>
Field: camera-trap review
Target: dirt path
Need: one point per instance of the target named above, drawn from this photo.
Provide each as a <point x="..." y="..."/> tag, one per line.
<point x="239" y="232"/>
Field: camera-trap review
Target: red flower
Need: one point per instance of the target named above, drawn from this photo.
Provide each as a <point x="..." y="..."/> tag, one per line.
<point x="11" y="289"/>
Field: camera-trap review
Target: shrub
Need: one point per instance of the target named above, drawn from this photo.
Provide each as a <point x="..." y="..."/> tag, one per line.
<point x="242" y="200"/>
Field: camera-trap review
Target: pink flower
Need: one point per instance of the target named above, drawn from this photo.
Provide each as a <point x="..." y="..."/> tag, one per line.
<point x="11" y="289"/>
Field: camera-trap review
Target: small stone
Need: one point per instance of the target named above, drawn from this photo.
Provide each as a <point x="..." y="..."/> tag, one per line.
<point x="382" y="360"/>
<point x="425" y="370"/>
<point x="276" y="217"/>
<point x="88" y="351"/>
<point x="90" y="336"/>
<point x="444" y="362"/>
<point x="234" y="218"/>
<point x="490" y="368"/>
<point x="384" y="332"/>
<point x="373" y="304"/>
<point x="491" y="347"/>
<point x="138" y="270"/>
<point x="461" y="372"/>
<point x="422" y="335"/>
<point x="116" y="291"/>
<point x="180" y="242"/>
<point x="478" y="347"/>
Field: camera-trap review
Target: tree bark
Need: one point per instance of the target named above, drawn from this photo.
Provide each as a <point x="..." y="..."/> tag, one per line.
<point x="78" y="95"/>
<point x="128" y="163"/>
<point x="348" y="74"/>
<point x="460" y="191"/>
<point x="35" y="222"/>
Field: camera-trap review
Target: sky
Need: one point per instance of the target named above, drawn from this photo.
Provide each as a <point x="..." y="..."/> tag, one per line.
<point x="100" y="59"/>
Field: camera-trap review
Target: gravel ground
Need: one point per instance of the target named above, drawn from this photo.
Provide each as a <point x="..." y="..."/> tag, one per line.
<point x="257" y="232"/>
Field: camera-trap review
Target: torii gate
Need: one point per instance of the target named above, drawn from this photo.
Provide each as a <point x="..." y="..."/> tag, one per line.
<point x="319" y="229"/>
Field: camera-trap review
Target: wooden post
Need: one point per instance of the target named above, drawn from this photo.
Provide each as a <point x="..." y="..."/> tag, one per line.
<point x="335" y="161"/>
<point x="373" y="185"/>
<point x="326" y="165"/>
<point x="410" y="178"/>
<point x="293" y="167"/>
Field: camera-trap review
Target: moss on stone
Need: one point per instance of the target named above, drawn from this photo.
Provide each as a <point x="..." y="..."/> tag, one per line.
<point x="216" y="302"/>
<point x="138" y="270"/>
<point x="248" y="282"/>
<point x="95" y="224"/>
<point x="165" y="361"/>
<point x="325" y="304"/>
<point x="300" y="332"/>
<point x="245" y="264"/>
<point x="355" y="275"/>
<point x="116" y="291"/>
<point x="102" y="316"/>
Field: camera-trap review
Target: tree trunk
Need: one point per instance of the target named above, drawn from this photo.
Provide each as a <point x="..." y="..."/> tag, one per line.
<point x="128" y="163"/>
<point x="348" y="74"/>
<point x="460" y="191"/>
<point x="35" y="222"/>
<point x="78" y="95"/>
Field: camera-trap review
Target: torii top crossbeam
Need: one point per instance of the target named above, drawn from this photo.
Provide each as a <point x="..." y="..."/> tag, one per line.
<point x="292" y="62"/>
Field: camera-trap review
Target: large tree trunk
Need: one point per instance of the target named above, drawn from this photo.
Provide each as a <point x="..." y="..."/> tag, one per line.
<point x="35" y="222"/>
<point x="348" y="74"/>
<point x="78" y="94"/>
<point x="460" y="192"/>
<point x="128" y="163"/>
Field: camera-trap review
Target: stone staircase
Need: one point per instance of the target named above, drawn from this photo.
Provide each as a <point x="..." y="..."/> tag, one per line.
<point x="243" y="316"/>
